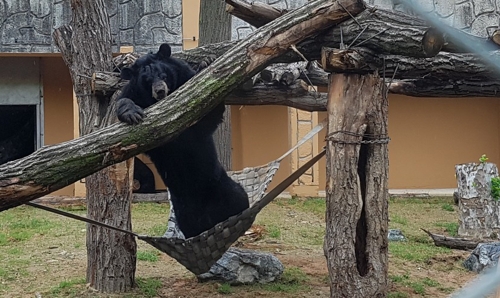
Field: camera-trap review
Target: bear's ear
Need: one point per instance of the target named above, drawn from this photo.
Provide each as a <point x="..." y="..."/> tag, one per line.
<point x="127" y="73"/>
<point x="164" y="52"/>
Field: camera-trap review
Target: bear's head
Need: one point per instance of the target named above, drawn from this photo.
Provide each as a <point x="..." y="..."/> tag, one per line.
<point x="154" y="73"/>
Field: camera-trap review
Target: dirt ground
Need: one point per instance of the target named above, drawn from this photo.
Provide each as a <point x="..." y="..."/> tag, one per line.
<point x="52" y="261"/>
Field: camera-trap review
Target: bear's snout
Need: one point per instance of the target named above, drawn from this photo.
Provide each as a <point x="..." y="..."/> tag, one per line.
<point x="160" y="90"/>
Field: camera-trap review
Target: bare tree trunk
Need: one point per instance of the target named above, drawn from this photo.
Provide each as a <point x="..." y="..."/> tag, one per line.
<point x="356" y="217"/>
<point x="215" y="26"/>
<point x="86" y="48"/>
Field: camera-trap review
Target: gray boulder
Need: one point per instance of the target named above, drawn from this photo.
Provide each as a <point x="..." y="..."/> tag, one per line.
<point x="485" y="255"/>
<point x="396" y="235"/>
<point x="239" y="266"/>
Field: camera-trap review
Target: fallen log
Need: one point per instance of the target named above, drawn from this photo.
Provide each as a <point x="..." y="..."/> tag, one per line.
<point x="53" y="167"/>
<point x="455" y="243"/>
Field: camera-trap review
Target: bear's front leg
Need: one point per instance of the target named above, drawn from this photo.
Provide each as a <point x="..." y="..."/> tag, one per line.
<point x="128" y="112"/>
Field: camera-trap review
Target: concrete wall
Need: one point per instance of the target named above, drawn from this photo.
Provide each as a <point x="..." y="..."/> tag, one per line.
<point x="58" y="106"/>
<point x="260" y="135"/>
<point x="27" y="25"/>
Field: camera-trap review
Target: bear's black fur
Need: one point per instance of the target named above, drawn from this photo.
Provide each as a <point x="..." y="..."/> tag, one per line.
<point x="201" y="191"/>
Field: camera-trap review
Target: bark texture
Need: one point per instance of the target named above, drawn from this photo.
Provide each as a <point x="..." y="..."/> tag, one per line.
<point x="357" y="216"/>
<point x="53" y="167"/>
<point x="215" y="26"/>
<point x="478" y="210"/>
<point x="86" y="48"/>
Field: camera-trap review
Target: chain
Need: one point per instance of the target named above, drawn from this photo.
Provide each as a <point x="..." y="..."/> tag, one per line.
<point x="372" y="138"/>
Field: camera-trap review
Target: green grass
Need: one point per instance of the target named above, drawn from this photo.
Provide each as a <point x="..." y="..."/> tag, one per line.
<point x="316" y="206"/>
<point x="417" y="285"/>
<point x="293" y="280"/>
<point x="148" y="256"/>
<point x="149" y="286"/>
<point x="447" y="207"/>
<point x="397" y="295"/>
<point x="67" y="288"/>
<point x="399" y="220"/>
<point x="225" y="289"/>
<point x="415" y="252"/>
<point x="450" y="227"/>
<point x="274" y="231"/>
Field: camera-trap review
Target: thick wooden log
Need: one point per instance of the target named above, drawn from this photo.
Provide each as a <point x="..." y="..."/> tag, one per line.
<point x="257" y="14"/>
<point x="297" y="96"/>
<point x="53" y="167"/>
<point x="285" y="74"/>
<point x="454" y="242"/>
<point x="356" y="190"/>
<point x="446" y="75"/>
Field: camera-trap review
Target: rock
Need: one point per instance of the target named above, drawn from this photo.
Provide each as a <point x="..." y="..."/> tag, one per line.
<point x="396" y="235"/>
<point x="238" y="266"/>
<point x="485" y="255"/>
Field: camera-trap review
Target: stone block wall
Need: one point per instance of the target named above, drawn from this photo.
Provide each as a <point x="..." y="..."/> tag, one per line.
<point x="27" y="25"/>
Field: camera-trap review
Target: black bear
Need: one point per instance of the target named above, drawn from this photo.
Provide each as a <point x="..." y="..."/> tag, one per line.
<point x="144" y="179"/>
<point x="201" y="191"/>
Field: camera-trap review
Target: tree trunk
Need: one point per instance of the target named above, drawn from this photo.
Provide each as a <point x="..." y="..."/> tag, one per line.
<point x="479" y="212"/>
<point x="357" y="215"/>
<point x="110" y="254"/>
<point x="215" y="26"/>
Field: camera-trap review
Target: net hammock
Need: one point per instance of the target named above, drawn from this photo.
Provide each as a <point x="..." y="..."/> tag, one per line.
<point x="199" y="253"/>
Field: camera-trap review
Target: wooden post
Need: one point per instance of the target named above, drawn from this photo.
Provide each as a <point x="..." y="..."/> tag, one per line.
<point x="356" y="190"/>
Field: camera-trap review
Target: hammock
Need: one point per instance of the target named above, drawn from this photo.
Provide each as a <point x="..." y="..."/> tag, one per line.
<point x="199" y="253"/>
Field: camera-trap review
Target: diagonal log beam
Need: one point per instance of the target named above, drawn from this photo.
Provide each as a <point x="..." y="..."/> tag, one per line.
<point x="54" y="167"/>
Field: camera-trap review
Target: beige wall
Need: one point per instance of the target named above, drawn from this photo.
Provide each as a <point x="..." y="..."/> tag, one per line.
<point x="260" y="135"/>
<point x="190" y="23"/>
<point x="58" y="106"/>
<point x="429" y="136"/>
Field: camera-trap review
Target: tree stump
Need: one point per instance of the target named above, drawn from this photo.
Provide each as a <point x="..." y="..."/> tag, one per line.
<point x="478" y="210"/>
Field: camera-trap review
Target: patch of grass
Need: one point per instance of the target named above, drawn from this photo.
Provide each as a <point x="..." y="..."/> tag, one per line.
<point x="446" y="290"/>
<point x="149" y="286"/>
<point x="3" y="239"/>
<point x="22" y="229"/>
<point x="15" y="251"/>
<point x="397" y="295"/>
<point x="447" y="207"/>
<point x="418" y="288"/>
<point x="225" y="289"/>
<point x="312" y="235"/>
<point x="148" y="256"/>
<point x="450" y="227"/>
<point x="415" y="252"/>
<point x="158" y="230"/>
<point x="399" y="278"/>
<point x="292" y="280"/>
<point x="314" y="205"/>
<point x="430" y="282"/>
<point x="67" y="288"/>
<point x="274" y="231"/>
<point x="399" y="219"/>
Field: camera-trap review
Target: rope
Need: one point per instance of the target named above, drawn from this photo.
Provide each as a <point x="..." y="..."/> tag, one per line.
<point x="81" y="218"/>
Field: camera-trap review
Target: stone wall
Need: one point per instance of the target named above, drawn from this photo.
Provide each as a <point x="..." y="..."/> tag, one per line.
<point x="27" y="25"/>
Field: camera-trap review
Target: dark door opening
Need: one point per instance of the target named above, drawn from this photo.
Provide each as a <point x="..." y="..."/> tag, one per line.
<point x="18" y="131"/>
